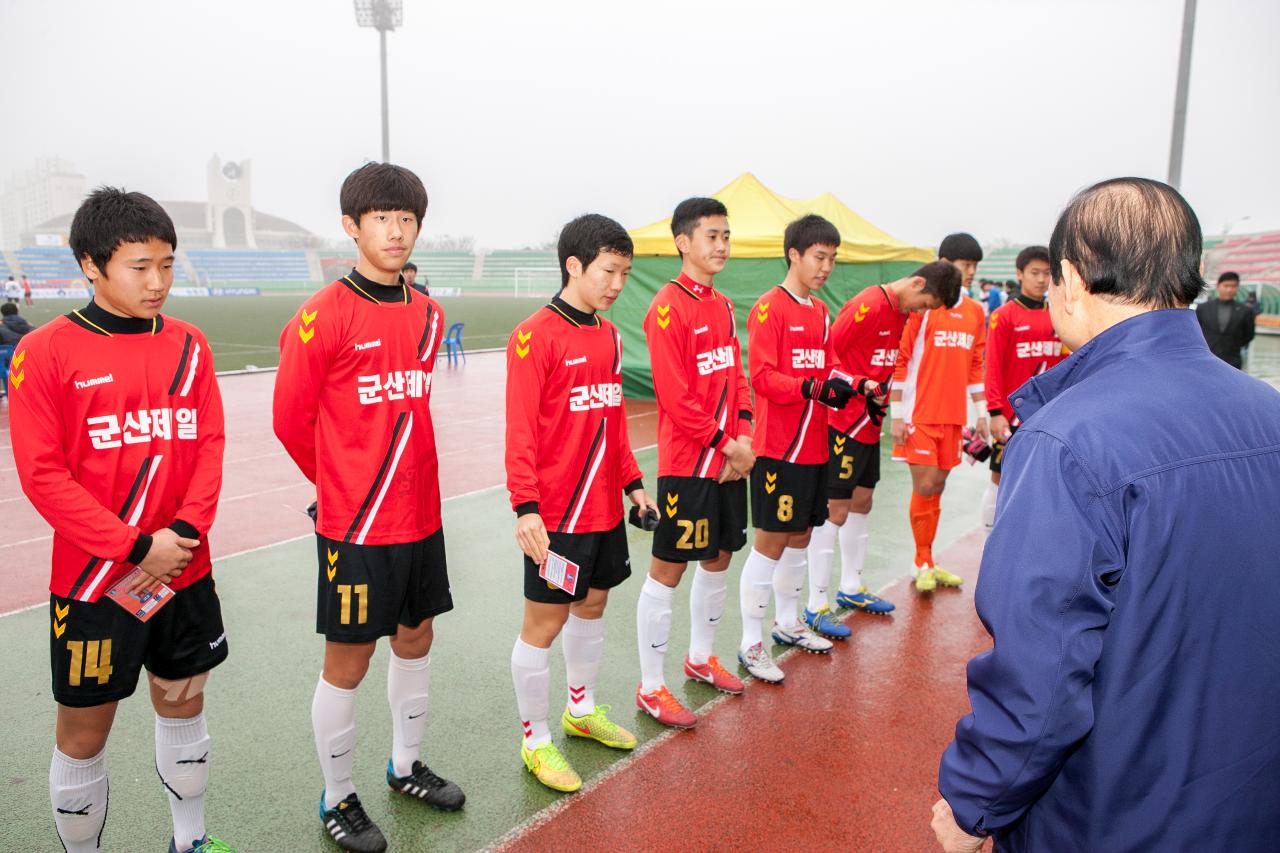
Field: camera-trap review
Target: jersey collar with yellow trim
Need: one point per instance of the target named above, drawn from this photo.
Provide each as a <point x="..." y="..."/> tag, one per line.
<point x="374" y="292"/>
<point x="696" y="289"/>
<point x="571" y="314"/>
<point x="100" y="321"/>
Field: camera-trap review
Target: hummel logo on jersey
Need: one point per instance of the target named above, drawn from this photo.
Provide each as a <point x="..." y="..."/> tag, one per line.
<point x="701" y="330"/>
<point x="1022" y="328"/>
<point x="97" y="380"/>
<point x="796" y="328"/>
<point x="602" y="395"/>
<point x="522" y="342"/>
<point x="720" y="358"/>
<point x="861" y="313"/>
<point x="1038" y="349"/>
<point x="956" y="314"/>
<point x="884" y="357"/>
<point x="664" y="318"/>
<point x="369" y="344"/>
<point x="217" y="642"/>
<point x="808" y="359"/>
<point x="945" y="338"/>
<point x="884" y="333"/>
<point x="570" y="362"/>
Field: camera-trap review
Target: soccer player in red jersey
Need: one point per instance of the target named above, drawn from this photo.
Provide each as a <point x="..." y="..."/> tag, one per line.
<point x="118" y="437"/>
<point x="352" y="408"/>
<point x="939" y="362"/>
<point x="1021" y="343"/>
<point x="790" y="354"/>
<point x="704" y="456"/>
<point x="866" y="336"/>
<point x="569" y="462"/>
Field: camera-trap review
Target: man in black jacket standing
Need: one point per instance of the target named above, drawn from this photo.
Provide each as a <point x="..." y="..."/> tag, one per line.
<point x="1227" y="324"/>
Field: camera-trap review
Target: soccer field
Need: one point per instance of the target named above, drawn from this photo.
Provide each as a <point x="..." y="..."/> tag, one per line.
<point x="244" y="331"/>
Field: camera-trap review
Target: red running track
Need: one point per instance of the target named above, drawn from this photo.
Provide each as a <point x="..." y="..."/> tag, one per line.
<point x="843" y="755"/>
<point x="264" y="496"/>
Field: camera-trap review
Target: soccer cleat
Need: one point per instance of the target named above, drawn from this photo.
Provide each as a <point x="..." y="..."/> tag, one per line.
<point x="549" y="767"/>
<point x="865" y="601"/>
<point x="760" y="664"/>
<point x="714" y="674"/>
<point x="350" y="827"/>
<point x="926" y="580"/>
<point x="427" y="786"/>
<point x="945" y="578"/>
<point x="665" y="708"/>
<point x="802" y="638"/>
<point x="822" y="622"/>
<point x="208" y="844"/>
<point x="598" y="727"/>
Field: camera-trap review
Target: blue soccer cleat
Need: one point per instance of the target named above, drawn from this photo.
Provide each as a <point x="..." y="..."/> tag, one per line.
<point x="864" y="601"/>
<point x="822" y="622"/>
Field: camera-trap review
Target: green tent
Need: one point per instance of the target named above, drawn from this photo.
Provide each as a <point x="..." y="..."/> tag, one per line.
<point x="757" y="218"/>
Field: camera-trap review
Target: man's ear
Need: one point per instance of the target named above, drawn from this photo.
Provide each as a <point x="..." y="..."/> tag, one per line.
<point x="1072" y="288"/>
<point x="90" y="269"/>
<point x="574" y="266"/>
<point x="682" y="243"/>
<point x="351" y="226"/>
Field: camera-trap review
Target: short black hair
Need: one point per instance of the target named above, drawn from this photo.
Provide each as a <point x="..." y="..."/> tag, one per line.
<point x="382" y="186"/>
<point x="1229" y="276"/>
<point x="410" y="266"/>
<point x="589" y="236"/>
<point x="691" y="211"/>
<point x="109" y="217"/>
<point x="1032" y="253"/>
<point x="960" y="247"/>
<point x="808" y="230"/>
<point x="943" y="280"/>
<point x="8" y="308"/>
<point x="1134" y="240"/>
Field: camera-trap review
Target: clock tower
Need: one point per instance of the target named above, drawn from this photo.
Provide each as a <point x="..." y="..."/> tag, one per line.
<point x="229" y="214"/>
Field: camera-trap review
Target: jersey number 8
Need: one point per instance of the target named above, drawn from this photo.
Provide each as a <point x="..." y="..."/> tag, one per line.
<point x="786" y="507"/>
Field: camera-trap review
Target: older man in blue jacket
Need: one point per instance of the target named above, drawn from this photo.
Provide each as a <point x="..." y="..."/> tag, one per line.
<point x="1131" y="583"/>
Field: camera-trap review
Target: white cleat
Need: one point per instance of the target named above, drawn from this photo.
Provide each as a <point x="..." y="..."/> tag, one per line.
<point x="802" y="638"/>
<point x="760" y="664"/>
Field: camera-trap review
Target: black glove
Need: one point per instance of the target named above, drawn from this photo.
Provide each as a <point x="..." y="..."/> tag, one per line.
<point x="311" y="512"/>
<point x="876" y="411"/>
<point x="877" y="399"/>
<point x="834" y="393"/>
<point x="649" y="521"/>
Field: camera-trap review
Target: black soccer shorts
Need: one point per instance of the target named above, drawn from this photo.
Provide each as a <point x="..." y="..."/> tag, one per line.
<point x="997" y="451"/>
<point x="698" y="518"/>
<point x="97" y="649"/>
<point x="369" y="591"/>
<point x="852" y="463"/>
<point x="787" y="497"/>
<point x="603" y="559"/>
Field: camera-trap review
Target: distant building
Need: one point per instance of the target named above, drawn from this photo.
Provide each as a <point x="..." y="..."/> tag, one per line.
<point x="46" y="190"/>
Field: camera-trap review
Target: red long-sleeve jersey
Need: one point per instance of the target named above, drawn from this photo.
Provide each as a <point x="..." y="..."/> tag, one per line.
<point x="117" y="432"/>
<point x="352" y="407"/>
<point x="940" y="363"/>
<point x="1021" y="343"/>
<point x="568" y="454"/>
<point x="866" y="336"/>
<point x="789" y="341"/>
<point x="703" y="399"/>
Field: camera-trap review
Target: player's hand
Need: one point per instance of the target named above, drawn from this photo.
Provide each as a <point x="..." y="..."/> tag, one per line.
<point x="642" y="500"/>
<point x="741" y="459"/>
<point x="531" y="536"/>
<point x="982" y="429"/>
<point x="898" y="431"/>
<point x="1000" y="428"/>
<point x="950" y="836"/>
<point x="834" y="393"/>
<point x="168" y="556"/>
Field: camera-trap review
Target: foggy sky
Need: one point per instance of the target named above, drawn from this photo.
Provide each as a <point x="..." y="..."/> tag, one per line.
<point x="926" y="116"/>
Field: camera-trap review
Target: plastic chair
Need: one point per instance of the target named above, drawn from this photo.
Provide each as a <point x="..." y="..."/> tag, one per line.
<point x="6" y="354"/>
<point x="453" y="344"/>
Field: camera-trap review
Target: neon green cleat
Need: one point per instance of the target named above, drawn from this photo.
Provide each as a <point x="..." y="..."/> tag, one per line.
<point x="945" y="578"/>
<point x="550" y="768"/>
<point x="598" y="727"/>
<point x="926" y="578"/>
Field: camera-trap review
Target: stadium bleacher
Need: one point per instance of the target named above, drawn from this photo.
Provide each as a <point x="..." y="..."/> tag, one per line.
<point x="44" y="263"/>
<point x="1256" y="257"/>
<point x="999" y="264"/>
<point x="235" y="265"/>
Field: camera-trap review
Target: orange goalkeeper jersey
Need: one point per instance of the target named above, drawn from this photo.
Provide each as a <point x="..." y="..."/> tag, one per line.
<point x="940" y="363"/>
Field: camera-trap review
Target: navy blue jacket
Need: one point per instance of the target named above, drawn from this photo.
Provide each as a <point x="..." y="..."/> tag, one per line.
<point x="1131" y="586"/>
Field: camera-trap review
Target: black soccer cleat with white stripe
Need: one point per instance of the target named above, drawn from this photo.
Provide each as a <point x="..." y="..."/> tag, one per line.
<point x="350" y="826"/>
<point x="427" y="786"/>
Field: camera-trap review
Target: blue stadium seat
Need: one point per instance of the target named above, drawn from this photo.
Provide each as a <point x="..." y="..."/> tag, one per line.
<point x="453" y="344"/>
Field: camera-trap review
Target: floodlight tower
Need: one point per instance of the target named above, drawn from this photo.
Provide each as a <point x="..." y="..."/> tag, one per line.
<point x="384" y="16"/>
<point x="1180" y="97"/>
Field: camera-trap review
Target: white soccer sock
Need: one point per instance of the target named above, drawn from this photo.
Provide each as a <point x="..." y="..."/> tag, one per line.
<point x="182" y="763"/>
<point x="531" y="674"/>
<point x="989" y="506"/>
<point x="706" y="606"/>
<point x="788" y="580"/>
<point x="822" y="547"/>
<point x="583" y="645"/>
<point x="333" y="719"/>
<point x="853" y="552"/>
<point x="653" y="629"/>
<point x="78" y="792"/>
<point x="408" y="681"/>
<point x="753" y="589"/>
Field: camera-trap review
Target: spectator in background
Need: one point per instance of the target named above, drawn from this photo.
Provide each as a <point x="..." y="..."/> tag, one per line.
<point x="13" y="326"/>
<point x="1227" y="324"/>
<point x="1012" y="289"/>
<point x="26" y="291"/>
<point x="410" y="273"/>
<point x="11" y="290"/>
<point x="992" y="296"/>
<point x="1251" y="302"/>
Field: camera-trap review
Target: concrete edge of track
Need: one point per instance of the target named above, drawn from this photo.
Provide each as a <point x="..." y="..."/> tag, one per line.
<point x="250" y="371"/>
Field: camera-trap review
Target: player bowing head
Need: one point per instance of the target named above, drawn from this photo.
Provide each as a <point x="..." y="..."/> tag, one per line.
<point x="125" y="243"/>
<point x="568" y="459"/>
<point x="382" y="209"/>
